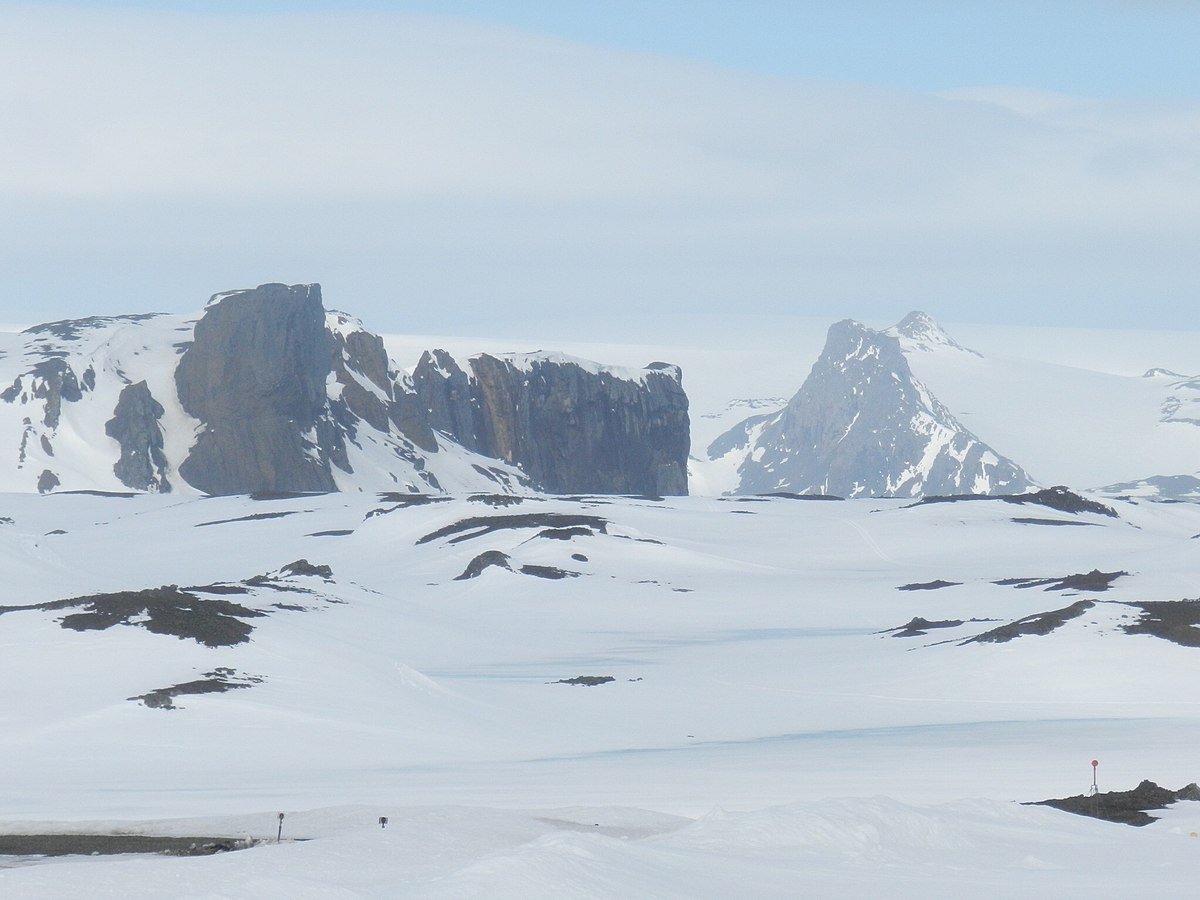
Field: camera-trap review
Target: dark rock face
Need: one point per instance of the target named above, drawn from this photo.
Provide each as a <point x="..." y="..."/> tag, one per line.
<point x="291" y="398"/>
<point x="1126" y="807"/>
<point x="570" y="428"/>
<point x="51" y="380"/>
<point x="135" y="427"/>
<point x="444" y="392"/>
<point x="862" y="425"/>
<point x="255" y="376"/>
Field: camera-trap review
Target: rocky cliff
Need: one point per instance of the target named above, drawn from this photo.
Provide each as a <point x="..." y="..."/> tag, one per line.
<point x="863" y="425"/>
<point x="267" y="391"/>
<point x="571" y="425"/>
<point x="255" y="377"/>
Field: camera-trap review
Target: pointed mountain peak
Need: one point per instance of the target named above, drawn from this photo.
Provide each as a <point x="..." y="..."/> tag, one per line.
<point x="920" y="331"/>
<point x="863" y="425"/>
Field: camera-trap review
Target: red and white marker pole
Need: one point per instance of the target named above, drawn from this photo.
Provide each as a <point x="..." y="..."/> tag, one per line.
<point x="1095" y="763"/>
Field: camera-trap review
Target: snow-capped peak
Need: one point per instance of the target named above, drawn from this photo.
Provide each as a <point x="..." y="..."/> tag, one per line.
<point x="919" y="331"/>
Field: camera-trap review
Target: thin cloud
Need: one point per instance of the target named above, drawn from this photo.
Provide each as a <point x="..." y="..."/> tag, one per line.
<point x="478" y="163"/>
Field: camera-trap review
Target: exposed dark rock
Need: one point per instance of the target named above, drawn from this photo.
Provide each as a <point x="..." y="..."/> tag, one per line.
<point x="1126" y="807"/>
<point x="478" y="526"/>
<point x="1058" y="497"/>
<point x="1039" y="624"/>
<point x="565" y="534"/>
<point x="586" y="680"/>
<point x="255" y="376"/>
<point x="410" y="499"/>
<point x="253" y="517"/>
<point x="918" y="627"/>
<point x="73" y="329"/>
<point x="54" y="382"/>
<point x="552" y="572"/>
<point x="485" y="560"/>
<point x="928" y="585"/>
<point x="47" y="482"/>
<point x="134" y="426"/>
<point x="304" y="567"/>
<point x="445" y="393"/>
<point x="1173" y="620"/>
<point x="1031" y="520"/>
<point x="164" y="610"/>
<point x="120" y="495"/>
<point x="280" y="495"/>
<point x="497" y="499"/>
<point x="336" y="532"/>
<point x="789" y="495"/>
<point x="568" y="427"/>
<point x="1094" y="580"/>
<point x="579" y="557"/>
<point x="216" y="682"/>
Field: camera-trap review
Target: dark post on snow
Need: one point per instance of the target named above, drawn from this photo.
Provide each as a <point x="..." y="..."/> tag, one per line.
<point x="1095" y="789"/>
<point x="383" y="821"/>
<point x="279" y="834"/>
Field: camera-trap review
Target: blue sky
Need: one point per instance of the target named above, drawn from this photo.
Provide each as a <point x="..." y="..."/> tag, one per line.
<point x="1117" y="48"/>
<point x="444" y="166"/>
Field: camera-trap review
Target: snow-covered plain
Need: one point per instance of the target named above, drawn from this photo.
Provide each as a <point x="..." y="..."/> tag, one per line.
<point x="760" y="737"/>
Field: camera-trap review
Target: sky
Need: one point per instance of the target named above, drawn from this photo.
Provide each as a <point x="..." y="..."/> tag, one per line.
<point x="491" y="167"/>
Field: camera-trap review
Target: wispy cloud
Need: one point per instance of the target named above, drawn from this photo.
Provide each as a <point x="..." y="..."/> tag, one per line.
<point x="464" y="167"/>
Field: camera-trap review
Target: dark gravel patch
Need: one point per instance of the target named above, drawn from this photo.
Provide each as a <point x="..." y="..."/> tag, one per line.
<point x="1094" y="580"/>
<point x="919" y="627"/>
<point x="565" y="534"/>
<point x="478" y="526"/>
<point x="1038" y="624"/>
<point x="585" y="680"/>
<point x="254" y="517"/>
<point x="1058" y="498"/>
<point x="483" y="561"/>
<point x="551" y="572"/>
<point x="216" y="682"/>
<point x="1177" y="621"/>
<point x="788" y="495"/>
<point x="1027" y="520"/>
<point x="1126" y="807"/>
<point x="496" y="499"/>
<point x="164" y="610"/>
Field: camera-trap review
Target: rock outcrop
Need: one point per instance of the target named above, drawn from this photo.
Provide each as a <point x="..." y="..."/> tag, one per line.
<point x="863" y="425"/>
<point x="255" y="377"/>
<point x="135" y="426"/>
<point x="268" y="392"/>
<point x="571" y="425"/>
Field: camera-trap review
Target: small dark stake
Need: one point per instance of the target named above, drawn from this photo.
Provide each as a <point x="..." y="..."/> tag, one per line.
<point x="383" y="821"/>
<point x="279" y="834"/>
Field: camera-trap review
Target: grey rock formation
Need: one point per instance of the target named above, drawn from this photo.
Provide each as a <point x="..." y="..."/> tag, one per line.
<point x="52" y="381"/>
<point x="570" y="426"/>
<point x="284" y="396"/>
<point x="255" y="377"/>
<point x="135" y="426"/>
<point x="862" y="425"/>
